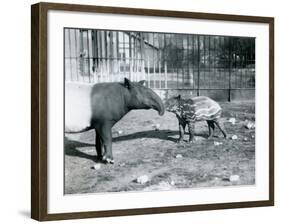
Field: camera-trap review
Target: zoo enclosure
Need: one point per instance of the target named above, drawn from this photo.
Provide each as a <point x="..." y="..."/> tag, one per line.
<point x="197" y="64"/>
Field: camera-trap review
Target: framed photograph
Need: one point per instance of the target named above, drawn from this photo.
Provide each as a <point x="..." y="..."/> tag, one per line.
<point x="140" y="111"/>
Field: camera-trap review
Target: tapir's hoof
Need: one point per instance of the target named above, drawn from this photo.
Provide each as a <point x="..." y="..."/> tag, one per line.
<point x="108" y="160"/>
<point x="179" y="141"/>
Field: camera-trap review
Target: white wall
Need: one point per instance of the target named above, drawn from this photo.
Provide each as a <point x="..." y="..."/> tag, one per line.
<point x="15" y="111"/>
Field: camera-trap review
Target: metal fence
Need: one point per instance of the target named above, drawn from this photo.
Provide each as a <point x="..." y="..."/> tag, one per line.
<point x="164" y="60"/>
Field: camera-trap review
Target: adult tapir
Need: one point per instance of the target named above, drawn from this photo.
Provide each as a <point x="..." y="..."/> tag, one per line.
<point x="110" y="102"/>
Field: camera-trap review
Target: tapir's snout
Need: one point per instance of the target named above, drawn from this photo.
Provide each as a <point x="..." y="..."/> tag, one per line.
<point x="161" y="109"/>
<point x="158" y="105"/>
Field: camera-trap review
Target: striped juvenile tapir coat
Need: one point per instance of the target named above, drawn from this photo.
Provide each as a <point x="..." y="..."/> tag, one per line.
<point x="200" y="108"/>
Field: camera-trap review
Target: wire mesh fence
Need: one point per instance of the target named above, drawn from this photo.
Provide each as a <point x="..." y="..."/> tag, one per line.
<point x="164" y="60"/>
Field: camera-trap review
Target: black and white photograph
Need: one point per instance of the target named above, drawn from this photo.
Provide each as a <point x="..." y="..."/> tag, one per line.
<point x="152" y="111"/>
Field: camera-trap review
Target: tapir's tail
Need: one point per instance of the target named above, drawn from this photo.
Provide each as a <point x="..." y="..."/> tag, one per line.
<point x="73" y="131"/>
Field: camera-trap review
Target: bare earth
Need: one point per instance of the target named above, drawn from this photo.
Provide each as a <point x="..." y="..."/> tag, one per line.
<point x="139" y="149"/>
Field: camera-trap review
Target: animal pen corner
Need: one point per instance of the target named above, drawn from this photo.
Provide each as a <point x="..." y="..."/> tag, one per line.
<point x="221" y="67"/>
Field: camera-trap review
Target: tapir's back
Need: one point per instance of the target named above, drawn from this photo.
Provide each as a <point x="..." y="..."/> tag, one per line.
<point x="201" y="108"/>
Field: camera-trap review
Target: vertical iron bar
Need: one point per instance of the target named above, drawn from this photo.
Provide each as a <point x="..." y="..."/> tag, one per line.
<point x="198" y="66"/>
<point x="159" y="60"/>
<point x="193" y="59"/>
<point x="209" y="61"/>
<point x="154" y="82"/>
<point x="88" y="46"/>
<point x="130" y="54"/>
<point x="124" y="55"/>
<point x="177" y="60"/>
<point x="70" y="58"/>
<point x="165" y="60"/>
<point x="204" y="59"/>
<point x="230" y="67"/>
<point x="76" y="53"/>
<point x="81" y="55"/>
<point x="93" y="54"/>
<point x="214" y="59"/>
<point x="187" y="59"/>
<point x="117" y="54"/>
<point x="142" y="54"/>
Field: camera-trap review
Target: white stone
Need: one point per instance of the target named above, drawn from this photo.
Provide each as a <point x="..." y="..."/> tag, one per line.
<point x="120" y="132"/>
<point x="142" y="179"/>
<point x="172" y="183"/>
<point x="234" y="178"/>
<point x="217" y="143"/>
<point x="250" y="125"/>
<point x="178" y="156"/>
<point x="156" y="127"/>
<point x="122" y="164"/>
<point x="234" y="137"/>
<point x="232" y="120"/>
<point x="97" y="166"/>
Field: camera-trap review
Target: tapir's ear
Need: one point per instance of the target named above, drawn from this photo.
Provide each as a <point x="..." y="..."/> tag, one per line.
<point x="127" y="83"/>
<point x="142" y="82"/>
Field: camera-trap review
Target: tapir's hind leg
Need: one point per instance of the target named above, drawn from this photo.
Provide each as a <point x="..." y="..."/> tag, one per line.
<point x="221" y="127"/>
<point x="106" y="139"/>
<point x="99" y="146"/>
<point x="211" y="127"/>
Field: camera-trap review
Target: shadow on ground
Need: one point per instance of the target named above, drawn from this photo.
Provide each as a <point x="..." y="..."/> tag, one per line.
<point x="71" y="146"/>
<point x="161" y="134"/>
<point x="70" y="149"/>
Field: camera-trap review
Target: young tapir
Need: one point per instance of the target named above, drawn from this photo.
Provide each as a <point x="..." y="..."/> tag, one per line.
<point x="200" y="108"/>
<point x="110" y="102"/>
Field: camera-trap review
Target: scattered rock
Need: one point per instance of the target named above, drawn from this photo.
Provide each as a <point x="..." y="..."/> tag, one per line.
<point x="172" y="183"/>
<point x="142" y="179"/>
<point x="97" y="166"/>
<point x="245" y="139"/>
<point x="234" y="178"/>
<point x="156" y="127"/>
<point x="253" y="136"/>
<point x="232" y="120"/>
<point x="120" y="132"/>
<point x="250" y="125"/>
<point x="122" y="164"/>
<point x="234" y="137"/>
<point x="178" y="156"/>
<point x="217" y="143"/>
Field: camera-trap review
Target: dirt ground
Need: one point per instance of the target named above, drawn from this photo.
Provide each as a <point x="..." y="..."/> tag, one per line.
<point x="139" y="149"/>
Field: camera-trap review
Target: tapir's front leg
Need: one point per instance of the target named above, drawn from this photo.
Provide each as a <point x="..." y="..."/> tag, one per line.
<point x="181" y="131"/>
<point x="191" y="130"/>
